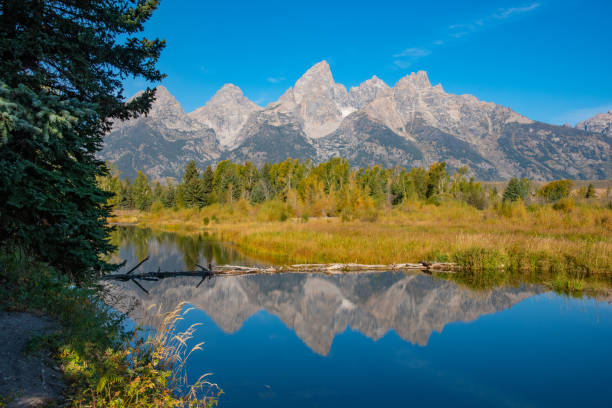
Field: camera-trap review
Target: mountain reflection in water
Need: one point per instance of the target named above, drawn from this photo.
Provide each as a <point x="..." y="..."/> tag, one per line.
<point x="369" y="339"/>
<point x="316" y="306"/>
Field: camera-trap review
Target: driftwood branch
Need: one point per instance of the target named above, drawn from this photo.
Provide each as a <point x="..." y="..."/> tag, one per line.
<point x="137" y="265"/>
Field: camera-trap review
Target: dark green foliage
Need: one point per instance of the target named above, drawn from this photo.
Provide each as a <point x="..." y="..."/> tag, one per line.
<point x="207" y="185"/>
<point x="227" y="182"/>
<point x="516" y="189"/>
<point x="61" y="67"/>
<point x="168" y="197"/>
<point x="192" y="189"/>
<point x="590" y="193"/>
<point x="556" y="190"/>
<point x="126" y="200"/>
<point x="373" y="179"/>
<point x="259" y="193"/>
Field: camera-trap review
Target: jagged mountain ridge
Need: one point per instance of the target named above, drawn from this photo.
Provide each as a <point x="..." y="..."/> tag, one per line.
<point x="226" y="112"/>
<point x="410" y="124"/>
<point x="162" y="142"/>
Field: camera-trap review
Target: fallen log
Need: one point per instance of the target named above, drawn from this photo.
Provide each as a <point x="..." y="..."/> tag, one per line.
<point x="333" y="268"/>
<point x="336" y="268"/>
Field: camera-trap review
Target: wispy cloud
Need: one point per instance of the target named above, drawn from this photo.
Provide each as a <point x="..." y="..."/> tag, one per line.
<point x="413" y="53"/>
<point x="505" y="13"/>
<point x="462" y="29"/>
<point x="276" y="80"/>
<point x="408" y="56"/>
<point x="405" y="58"/>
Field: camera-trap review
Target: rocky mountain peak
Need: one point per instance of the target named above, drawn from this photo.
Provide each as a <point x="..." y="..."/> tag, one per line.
<point x="166" y="110"/>
<point x="376" y="81"/>
<point x="317" y="82"/>
<point x="320" y="69"/>
<point x="368" y="91"/>
<point x="226" y="112"/>
<point x="228" y="91"/>
<point x="165" y="103"/>
<point x="318" y="100"/>
<point x="418" y="80"/>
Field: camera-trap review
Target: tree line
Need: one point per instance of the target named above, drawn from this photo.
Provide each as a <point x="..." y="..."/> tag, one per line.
<point x="331" y="188"/>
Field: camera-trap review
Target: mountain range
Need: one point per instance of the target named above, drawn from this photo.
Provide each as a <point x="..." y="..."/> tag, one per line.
<point x="410" y="124"/>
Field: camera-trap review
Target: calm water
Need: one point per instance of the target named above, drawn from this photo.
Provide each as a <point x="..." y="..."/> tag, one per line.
<point x="388" y="339"/>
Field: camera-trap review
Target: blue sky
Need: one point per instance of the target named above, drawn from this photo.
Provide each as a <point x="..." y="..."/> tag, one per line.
<point x="550" y="60"/>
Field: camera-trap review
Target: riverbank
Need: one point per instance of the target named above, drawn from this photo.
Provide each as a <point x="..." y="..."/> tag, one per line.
<point x="564" y="247"/>
<point x="27" y="379"/>
<point x="100" y="362"/>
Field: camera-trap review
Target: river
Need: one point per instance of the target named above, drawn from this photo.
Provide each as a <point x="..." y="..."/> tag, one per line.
<point x="373" y="339"/>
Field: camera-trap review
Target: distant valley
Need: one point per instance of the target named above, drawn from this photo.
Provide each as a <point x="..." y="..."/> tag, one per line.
<point x="410" y="124"/>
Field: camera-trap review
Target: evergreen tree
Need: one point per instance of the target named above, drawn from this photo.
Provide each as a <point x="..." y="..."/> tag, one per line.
<point x="126" y="201"/>
<point x="227" y="183"/>
<point x="259" y="193"/>
<point x="168" y="197"/>
<point x="207" y="185"/>
<point x="516" y="189"/>
<point x="61" y="69"/>
<point x="590" y="193"/>
<point x="192" y="189"/>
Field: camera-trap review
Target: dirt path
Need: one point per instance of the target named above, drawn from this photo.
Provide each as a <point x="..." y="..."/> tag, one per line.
<point x="26" y="380"/>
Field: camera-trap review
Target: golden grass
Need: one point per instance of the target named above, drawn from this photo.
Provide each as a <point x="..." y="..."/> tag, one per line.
<point x="413" y="232"/>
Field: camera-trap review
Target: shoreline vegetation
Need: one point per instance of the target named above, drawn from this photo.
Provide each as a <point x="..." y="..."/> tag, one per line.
<point x="60" y="93"/>
<point x="102" y="363"/>
<point x="553" y="233"/>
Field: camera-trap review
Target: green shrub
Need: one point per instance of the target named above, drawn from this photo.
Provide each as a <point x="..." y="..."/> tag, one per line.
<point x="556" y="190"/>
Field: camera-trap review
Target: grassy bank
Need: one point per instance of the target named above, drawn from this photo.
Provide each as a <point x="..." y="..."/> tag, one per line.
<point x="104" y="365"/>
<point x="563" y="246"/>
